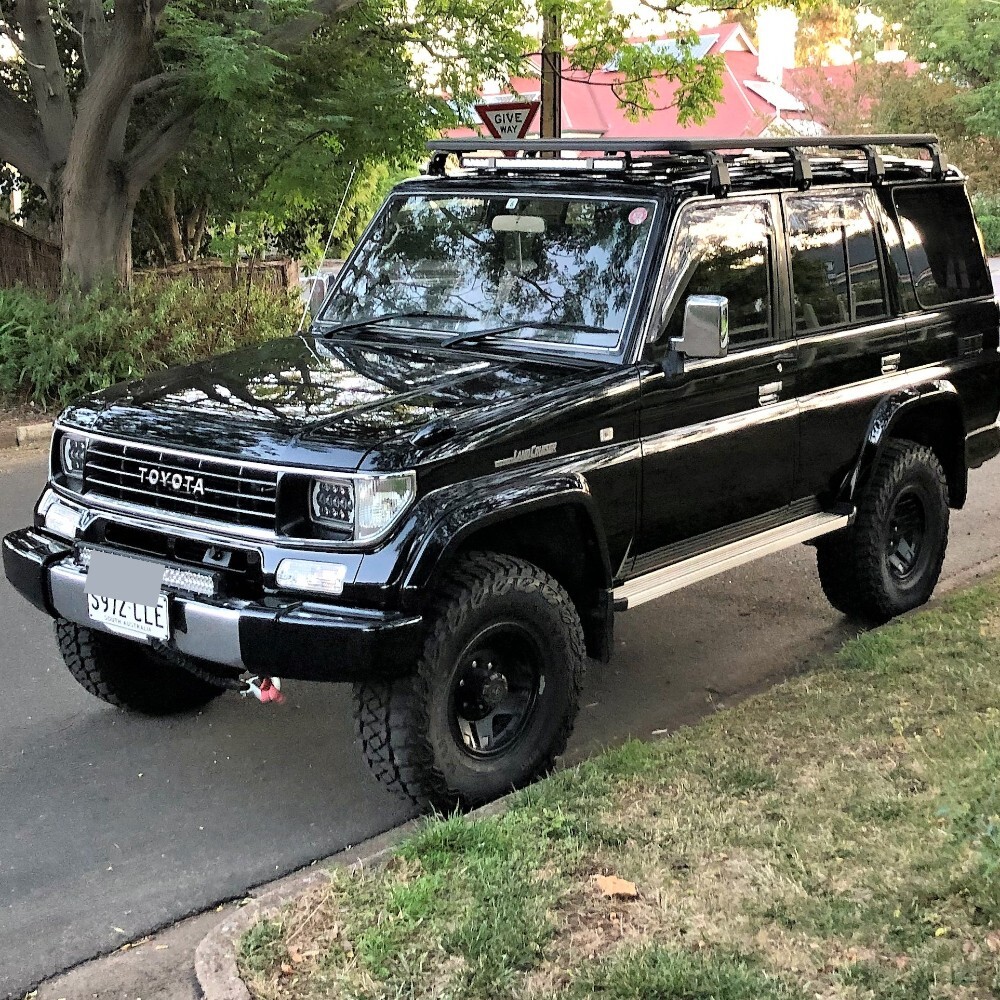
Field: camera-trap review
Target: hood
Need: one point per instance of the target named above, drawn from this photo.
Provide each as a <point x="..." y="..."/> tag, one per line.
<point x="309" y="400"/>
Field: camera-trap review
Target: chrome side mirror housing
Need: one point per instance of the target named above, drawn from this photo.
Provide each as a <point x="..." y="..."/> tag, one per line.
<point x="706" y="327"/>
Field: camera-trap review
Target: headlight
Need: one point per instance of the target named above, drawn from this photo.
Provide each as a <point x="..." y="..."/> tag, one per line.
<point x="366" y="506"/>
<point x="72" y="456"/>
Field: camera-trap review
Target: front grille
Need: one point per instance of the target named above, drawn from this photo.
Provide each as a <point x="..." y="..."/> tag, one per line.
<point x="182" y="484"/>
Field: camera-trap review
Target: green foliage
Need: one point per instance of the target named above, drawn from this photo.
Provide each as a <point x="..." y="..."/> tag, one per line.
<point x="275" y="148"/>
<point x="51" y="353"/>
<point x="958" y="41"/>
<point x="987" y="208"/>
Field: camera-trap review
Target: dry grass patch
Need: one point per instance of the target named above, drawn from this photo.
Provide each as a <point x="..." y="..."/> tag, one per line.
<point x="838" y="837"/>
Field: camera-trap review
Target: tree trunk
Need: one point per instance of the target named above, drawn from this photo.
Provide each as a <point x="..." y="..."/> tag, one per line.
<point x="168" y="203"/>
<point x="97" y="231"/>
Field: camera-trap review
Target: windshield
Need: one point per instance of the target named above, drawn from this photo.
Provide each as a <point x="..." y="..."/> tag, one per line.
<point x="559" y="270"/>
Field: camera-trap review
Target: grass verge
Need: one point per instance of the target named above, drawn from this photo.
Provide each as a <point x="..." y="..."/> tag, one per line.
<point x="838" y="836"/>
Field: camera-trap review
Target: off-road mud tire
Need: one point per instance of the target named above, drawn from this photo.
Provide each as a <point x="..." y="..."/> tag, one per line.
<point x="402" y="723"/>
<point x="853" y="565"/>
<point x="127" y="675"/>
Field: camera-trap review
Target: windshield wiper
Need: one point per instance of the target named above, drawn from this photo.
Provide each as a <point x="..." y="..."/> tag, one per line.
<point x="358" y="324"/>
<point x="474" y="336"/>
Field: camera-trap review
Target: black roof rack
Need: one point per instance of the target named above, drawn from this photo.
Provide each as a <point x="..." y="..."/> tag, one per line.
<point x="621" y="152"/>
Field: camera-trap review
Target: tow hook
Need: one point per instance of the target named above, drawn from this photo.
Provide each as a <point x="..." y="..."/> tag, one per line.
<point x="264" y="689"/>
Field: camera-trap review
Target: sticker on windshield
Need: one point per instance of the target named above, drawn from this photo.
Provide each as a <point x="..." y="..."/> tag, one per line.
<point x="638" y="215"/>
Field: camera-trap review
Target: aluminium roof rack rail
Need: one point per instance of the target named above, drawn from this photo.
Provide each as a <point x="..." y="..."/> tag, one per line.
<point x="621" y="153"/>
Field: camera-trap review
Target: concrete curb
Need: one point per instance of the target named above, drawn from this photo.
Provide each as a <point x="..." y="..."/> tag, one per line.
<point x="215" y="958"/>
<point x="26" y="436"/>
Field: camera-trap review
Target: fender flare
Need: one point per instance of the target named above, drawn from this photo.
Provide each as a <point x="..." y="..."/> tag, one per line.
<point x="459" y="515"/>
<point x="888" y="414"/>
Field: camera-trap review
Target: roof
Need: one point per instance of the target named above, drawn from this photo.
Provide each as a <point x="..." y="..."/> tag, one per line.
<point x="749" y="106"/>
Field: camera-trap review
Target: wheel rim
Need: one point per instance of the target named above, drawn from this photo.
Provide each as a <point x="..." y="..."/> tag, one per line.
<point x="907" y="530"/>
<point x="495" y="689"/>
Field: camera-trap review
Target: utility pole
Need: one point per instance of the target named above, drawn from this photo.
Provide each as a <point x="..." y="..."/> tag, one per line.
<point x="551" y="120"/>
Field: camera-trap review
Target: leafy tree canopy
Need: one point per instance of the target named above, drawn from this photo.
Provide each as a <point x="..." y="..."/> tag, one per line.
<point x="251" y="101"/>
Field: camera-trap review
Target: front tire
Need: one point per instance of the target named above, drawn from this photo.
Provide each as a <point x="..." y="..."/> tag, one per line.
<point x="494" y="695"/>
<point x="889" y="560"/>
<point x="128" y="675"/>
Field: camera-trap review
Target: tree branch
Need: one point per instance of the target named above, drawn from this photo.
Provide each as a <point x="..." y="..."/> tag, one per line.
<point x="21" y="143"/>
<point x="162" y="142"/>
<point x="92" y="27"/>
<point x="154" y="84"/>
<point x="48" y="81"/>
<point x="287" y="37"/>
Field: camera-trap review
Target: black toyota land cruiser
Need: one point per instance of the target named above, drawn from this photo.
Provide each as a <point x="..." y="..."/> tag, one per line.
<point x="546" y="388"/>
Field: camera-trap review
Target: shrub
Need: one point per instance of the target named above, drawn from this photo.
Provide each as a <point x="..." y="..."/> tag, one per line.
<point x="988" y="215"/>
<point x="51" y="353"/>
<point x="990" y="225"/>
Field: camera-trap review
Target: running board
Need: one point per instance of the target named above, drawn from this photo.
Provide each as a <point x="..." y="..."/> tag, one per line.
<point x="649" y="586"/>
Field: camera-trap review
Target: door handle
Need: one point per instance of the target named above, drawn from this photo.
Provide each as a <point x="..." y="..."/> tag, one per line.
<point x="890" y="363"/>
<point x="786" y="357"/>
<point x="769" y="393"/>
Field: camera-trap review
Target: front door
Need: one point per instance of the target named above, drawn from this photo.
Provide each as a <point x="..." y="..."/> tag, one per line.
<point x="719" y="440"/>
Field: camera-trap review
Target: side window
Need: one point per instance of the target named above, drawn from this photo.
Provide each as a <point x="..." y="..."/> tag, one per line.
<point x="722" y="248"/>
<point x="836" y="271"/>
<point x="941" y="243"/>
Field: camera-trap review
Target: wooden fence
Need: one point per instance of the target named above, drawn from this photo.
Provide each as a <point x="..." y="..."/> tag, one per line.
<point x="27" y="260"/>
<point x="274" y="274"/>
<point x="35" y="263"/>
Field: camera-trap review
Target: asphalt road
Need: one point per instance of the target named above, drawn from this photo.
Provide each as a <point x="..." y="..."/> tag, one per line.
<point x="111" y="826"/>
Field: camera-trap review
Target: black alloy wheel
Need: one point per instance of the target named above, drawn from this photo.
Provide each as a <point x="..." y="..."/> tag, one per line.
<point x="496" y="688"/>
<point x="907" y="528"/>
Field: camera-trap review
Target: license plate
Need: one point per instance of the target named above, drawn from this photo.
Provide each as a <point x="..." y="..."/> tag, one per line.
<point x="138" y="621"/>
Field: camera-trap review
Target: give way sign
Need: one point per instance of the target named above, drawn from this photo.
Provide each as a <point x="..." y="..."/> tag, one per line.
<point x="508" y="121"/>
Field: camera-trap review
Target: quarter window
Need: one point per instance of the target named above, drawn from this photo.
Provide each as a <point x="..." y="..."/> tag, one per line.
<point x="723" y="249"/>
<point x="836" y="271"/>
<point x="942" y="246"/>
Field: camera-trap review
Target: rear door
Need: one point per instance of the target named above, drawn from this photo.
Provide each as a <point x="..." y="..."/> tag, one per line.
<point x="852" y="339"/>
<point x="718" y="439"/>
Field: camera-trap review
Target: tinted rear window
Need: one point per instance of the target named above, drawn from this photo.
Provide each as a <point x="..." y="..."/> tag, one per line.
<point x="942" y="246"/>
<point x="836" y="274"/>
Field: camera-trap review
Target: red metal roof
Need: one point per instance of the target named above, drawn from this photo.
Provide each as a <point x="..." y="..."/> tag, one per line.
<point x="590" y="106"/>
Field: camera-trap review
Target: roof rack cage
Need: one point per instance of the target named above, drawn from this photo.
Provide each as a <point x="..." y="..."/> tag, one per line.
<point x="621" y="152"/>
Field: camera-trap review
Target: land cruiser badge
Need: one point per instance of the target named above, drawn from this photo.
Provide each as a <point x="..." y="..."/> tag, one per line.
<point x="527" y="454"/>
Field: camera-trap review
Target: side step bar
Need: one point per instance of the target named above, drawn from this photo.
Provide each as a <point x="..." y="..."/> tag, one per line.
<point x="649" y="586"/>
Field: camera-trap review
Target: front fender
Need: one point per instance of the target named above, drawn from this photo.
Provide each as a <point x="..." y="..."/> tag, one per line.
<point x="931" y="414"/>
<point x="458" y="512"/>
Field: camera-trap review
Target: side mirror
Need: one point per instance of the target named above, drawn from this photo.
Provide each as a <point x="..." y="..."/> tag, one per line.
<point x="706" y="327"/>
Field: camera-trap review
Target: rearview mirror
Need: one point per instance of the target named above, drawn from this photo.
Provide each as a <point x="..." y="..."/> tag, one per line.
<point x="518" y="224"/>
<point x="706" y="327"/>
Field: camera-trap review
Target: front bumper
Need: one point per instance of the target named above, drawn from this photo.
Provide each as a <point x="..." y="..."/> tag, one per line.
<point x="301" y="640"/>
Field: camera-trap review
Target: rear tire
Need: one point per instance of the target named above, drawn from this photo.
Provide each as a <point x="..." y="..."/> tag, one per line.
<point x="494" y="695"/>
<point x="889" y="560"/>
<point x="128" y="675"/>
